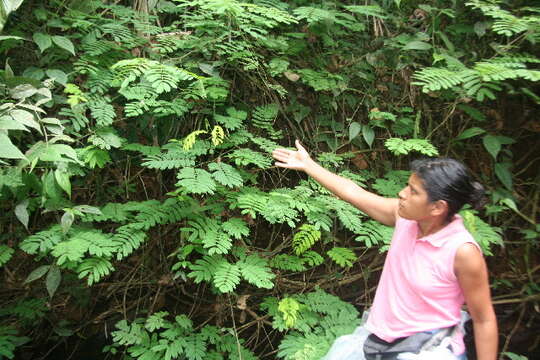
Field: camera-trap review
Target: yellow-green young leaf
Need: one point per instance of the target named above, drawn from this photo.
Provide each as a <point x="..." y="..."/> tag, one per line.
<point x="64" y="43"/>
<point x="43" y="41"/>
<point x="53" y="280"/>
<point x="290" y="308"/>
<point x="217" y="135"/>
<point x="7" y="149"/>
<point x="62" y="179"/>
<point x="189" y="141"/>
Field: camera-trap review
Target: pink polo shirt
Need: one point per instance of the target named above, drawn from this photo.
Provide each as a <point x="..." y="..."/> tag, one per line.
<point x="418" y="290"/>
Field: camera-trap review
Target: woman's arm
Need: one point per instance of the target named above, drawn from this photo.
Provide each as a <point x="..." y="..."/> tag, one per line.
<point x="379" y="208"/>
<point x="471" y="271"/>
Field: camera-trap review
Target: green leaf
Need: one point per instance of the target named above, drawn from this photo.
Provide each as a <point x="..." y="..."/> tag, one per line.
<point x="368" y="134"/>
<point x="417" y="45"/>
<point x="64" y="43"/>
<point x="502" y="170"/>
<point x="67" y="220"/>
<point x="7" y="149"/>
<point x="56" y="152"/>
<point x="26" y="118"/>
<point x="510" y="203"/>
<point x="196" y="181"/>
<point x="87" y="209"/>
<point x="5" y="255"/>
<point x="354" y="130"/>
<point x="10" y="37"/>
<point x="58" y="75"/>
<point x="344" y="257"/>
<point x="225" y="174"/>
<point x="43" y="41"/>
<point x="62" y="179"/>
<point x="8" y="123"/>
<point x="472" y="112"/>
<point x="21" y="211"/>
<point x="37" y="273"/>
<point x="256" y="271"/>
<point x="226" y="277"/>
<point x="53" y="280"/>
<point x="492" y="145"/>
<point x="469" y="133"/>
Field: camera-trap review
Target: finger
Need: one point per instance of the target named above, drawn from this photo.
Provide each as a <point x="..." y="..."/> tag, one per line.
<point x="282" y="158"/>
<point x="282" y="152"/>
<point x="280" y="164"/>
<point x="299" y="146"/>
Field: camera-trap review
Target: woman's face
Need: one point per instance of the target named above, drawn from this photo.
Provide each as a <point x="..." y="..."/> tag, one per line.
<point x="414" y="202"/>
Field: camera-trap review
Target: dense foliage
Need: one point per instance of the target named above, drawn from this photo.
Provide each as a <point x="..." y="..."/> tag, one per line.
<point x="143" y="215"/>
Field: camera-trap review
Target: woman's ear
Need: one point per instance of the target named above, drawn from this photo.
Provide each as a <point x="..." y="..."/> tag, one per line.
<point x="440" y="207"/>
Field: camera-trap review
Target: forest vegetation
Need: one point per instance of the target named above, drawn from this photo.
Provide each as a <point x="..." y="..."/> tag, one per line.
<point x="143" y="218"/>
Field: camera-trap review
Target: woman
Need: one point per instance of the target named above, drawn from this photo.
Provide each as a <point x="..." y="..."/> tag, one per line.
<point x="433" y="265"/>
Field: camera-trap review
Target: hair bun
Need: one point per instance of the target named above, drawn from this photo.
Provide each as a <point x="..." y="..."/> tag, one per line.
<point x="478" y="196"/>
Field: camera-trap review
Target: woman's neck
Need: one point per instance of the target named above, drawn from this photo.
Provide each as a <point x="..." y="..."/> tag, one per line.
<point x="430" y="226"/>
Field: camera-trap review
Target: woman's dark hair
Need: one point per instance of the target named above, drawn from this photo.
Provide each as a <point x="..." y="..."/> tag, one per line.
<point x="449" y="180"/>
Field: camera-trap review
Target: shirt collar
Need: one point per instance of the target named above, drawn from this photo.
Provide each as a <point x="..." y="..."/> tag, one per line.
<point x="438" y="238"/>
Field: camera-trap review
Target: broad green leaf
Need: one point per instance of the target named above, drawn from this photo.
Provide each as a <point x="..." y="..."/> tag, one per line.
<point x="43" y="41"/>
<point x="469" y="133"/>
<point x="21" y="212"/>
<point x="472" y="112"/>
<point x="11" y="5"/>
<point x="26" y="118"/>
<point x="88" y="209"/>
<point x="505" y="140"/>
<point x="57" y="75"/>
<point x="9" y="37"/>
<point x="492" y="145"/>
<point x="417" y="45"/>
<point x="56" y="152"/>
<point x="480" y="28"/>
<point x="67" y="220"/>
<point x="64" y="43"/>
<point x="37" y="273"/>
<point x="8" y="123"/>
<point x="502" y="170"/>
<point x="23" y="91"/>
<point x="368" y="134"/>
<point x="50" y="188"/>
<point x="62" y="179"/>
<point x="208" y="69"/>
<point x="53" y="280"/>
<point x="7" y="149"/>
<point x="510" y="203"/>
<point x="354" y="130"/>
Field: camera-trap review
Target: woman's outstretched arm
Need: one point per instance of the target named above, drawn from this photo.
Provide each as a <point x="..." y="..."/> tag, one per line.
<point x="379" y="208"/>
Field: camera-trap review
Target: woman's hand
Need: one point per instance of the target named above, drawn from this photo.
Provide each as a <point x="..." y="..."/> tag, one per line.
<point x="290" y="159"/>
